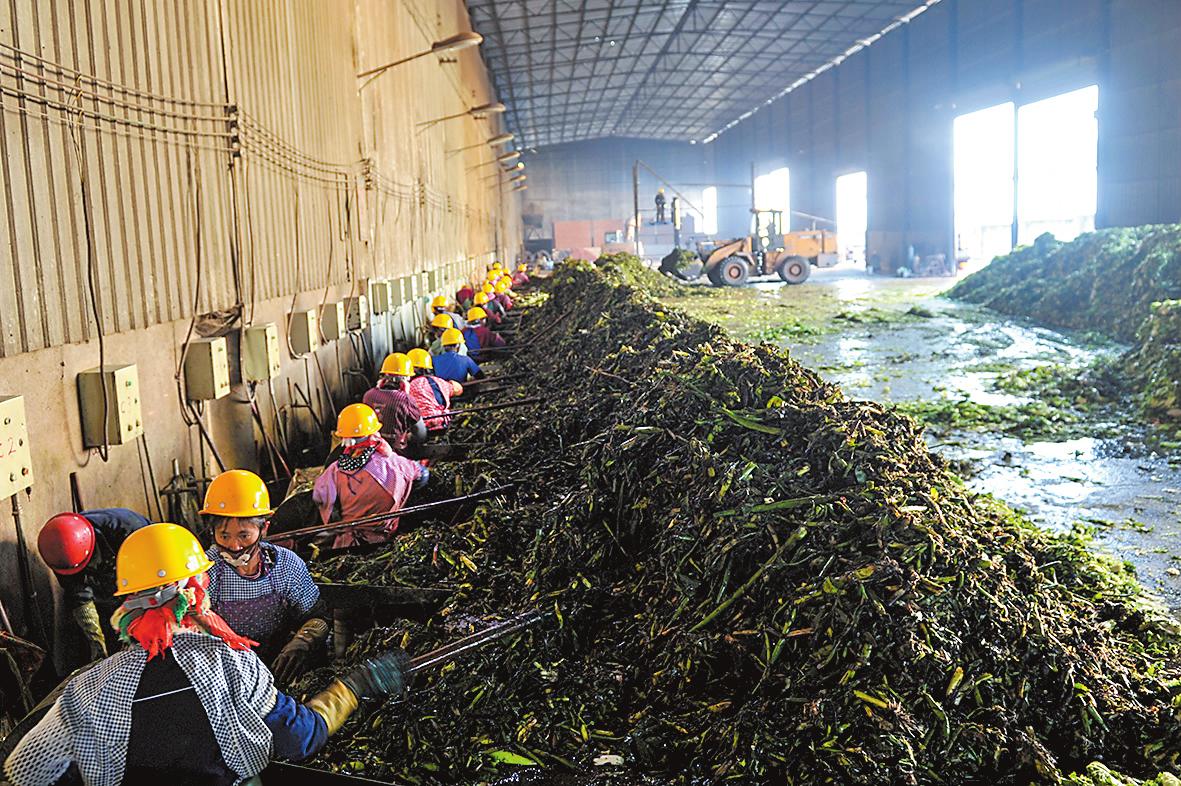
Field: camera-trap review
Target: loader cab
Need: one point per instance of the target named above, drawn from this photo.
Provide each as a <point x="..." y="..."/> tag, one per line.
<point x="767" y="229"/>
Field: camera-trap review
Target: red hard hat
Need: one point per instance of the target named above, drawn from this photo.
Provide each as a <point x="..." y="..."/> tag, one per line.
<point x="66" y="543"/>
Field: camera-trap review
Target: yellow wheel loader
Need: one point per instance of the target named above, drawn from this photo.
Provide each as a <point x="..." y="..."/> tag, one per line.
<point x="765" y="251"/>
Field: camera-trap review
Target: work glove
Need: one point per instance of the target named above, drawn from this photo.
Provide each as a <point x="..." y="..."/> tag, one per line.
<point x="292" y="660"/>
<point x="86" y="616"/>
<point x="380" y="676"/>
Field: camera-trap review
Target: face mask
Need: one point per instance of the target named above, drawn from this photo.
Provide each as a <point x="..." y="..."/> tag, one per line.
<point x="239" y="558"/>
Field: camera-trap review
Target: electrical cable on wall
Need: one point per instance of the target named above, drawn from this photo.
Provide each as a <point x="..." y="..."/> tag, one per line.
<point x="104" y="450"/>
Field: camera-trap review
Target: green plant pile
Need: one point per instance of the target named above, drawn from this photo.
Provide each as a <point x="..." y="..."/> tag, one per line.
<point x="1155" y="362"/>
<point x="1122" y="283"/>
<point x="750" y="578"/>
<point x="1103" y="281"/>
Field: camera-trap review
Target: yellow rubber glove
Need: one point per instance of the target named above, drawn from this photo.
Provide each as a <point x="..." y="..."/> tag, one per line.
<point x="334" y="704"/>
<point x="86" y="616"/>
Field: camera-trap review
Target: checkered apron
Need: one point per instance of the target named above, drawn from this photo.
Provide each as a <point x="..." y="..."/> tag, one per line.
<point x="90" y="723"/>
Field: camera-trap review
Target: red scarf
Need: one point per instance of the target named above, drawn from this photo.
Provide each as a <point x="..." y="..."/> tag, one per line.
<point x="153" y="629"/>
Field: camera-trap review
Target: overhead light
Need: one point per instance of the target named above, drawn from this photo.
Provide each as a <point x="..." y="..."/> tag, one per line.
<point x="496" y="141"/>
<point x="487" y="109"/>
<point x="452" y="44"/>
<point x="464" y="40"/>
<point x="475" y="111"/>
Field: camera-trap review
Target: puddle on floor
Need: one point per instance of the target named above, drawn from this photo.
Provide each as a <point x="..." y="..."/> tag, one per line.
<point x="957" y="351"/>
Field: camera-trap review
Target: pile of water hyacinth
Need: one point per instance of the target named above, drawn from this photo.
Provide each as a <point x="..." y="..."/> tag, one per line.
<point x="749" y="577"/>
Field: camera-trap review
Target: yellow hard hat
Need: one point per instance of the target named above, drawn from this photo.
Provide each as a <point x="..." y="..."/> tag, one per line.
<point x="441" y="321"/>
<point x="521" y="268"/>
<point x="452" y="337"/>
<point x="357" y="420"/>
<point x="492" y="275"/>
<point x="156" y="555"/>
<point x="439" y="301"/>
<point x="475" y="312"/>
<point x="420" y="358"/>
<point x="481" y="298"/>
<point x="487" y="289"/>
<point x="397" y="364"/>
<point x="496" y="266"/>
<point x="238" y="493"/>
<point x="501" y="286"/>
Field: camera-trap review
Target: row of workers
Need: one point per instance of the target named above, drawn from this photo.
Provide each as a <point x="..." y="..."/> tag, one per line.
<point x="198" y="611"/>
<point x="188" y="695"/>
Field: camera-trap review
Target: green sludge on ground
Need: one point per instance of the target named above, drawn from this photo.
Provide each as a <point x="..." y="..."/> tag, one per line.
<point x="752" y="578"/>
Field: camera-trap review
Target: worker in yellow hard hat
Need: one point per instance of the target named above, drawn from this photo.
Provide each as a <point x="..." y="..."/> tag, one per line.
<point x="494" y="310"/>
<point x="441" y="306"/>
<point x="186" y="701"/>
<point x="368" y="479"/>
<point x="263" y="591"/>
<point x="450" y="364"/>
<point x="440" y="323"/>
<point x="521" y="275"/>
<point x="503" y="289"/>
<point x="432" y="394"/>
<point x="480" y="338"/>
<point x="402" y="423"/>
<point x="660" y="202"/>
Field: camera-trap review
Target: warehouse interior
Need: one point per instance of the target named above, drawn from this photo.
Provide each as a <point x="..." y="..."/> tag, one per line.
<point x="817" y="415"/>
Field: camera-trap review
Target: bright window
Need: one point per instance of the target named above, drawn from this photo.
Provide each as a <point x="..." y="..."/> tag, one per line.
<point x="709" y="210"/>
<point x="773" y="191"/>
<point x="1057" y="173"/>
<point x="983" y="171"/>
<point x="852" y="214"/>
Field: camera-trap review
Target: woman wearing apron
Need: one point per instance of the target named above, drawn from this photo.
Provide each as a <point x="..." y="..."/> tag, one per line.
<point x="263" y="591"/>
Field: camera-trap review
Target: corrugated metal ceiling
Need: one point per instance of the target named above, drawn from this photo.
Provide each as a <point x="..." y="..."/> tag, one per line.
<point x="663" y="69"/>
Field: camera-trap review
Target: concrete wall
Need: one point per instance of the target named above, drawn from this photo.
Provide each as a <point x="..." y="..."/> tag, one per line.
<point x="889" y="110"/>
<point x="228" y="160"/>
<point x="593" y="180"/>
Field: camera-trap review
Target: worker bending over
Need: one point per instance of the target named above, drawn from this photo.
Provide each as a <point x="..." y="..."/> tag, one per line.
<point x="263" y="591"/>
<point x="439" y="305"/>
<point x="401" y="422"/>
<point x="368" y="479"/>
<point x="440" y="324"/>
<point x="453" y="365"/>
<point x="464" y="295"/>
<point x="432" y="394"/>
<point x="81" y="549"/>
<point x="186" y="701"/>
<point x="478" y="336"/>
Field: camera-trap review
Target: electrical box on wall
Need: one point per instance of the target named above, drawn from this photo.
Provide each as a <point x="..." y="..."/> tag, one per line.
<point x="16" y="462"/>
<point x="357" y="312"/>
<point x="380" y="296"/>
<point x="260" y="352"/>
<point x="332" y="321"/>
<point x="207" y="369"/>
<point x="303" y="330"/>
<point x="124" y="421"/>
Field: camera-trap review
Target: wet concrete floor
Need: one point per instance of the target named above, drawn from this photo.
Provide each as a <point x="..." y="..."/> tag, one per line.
<point x="867" y="343"/>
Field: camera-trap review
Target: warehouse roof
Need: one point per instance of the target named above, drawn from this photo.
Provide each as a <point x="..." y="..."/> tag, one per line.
<point x="666" y="69"/>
